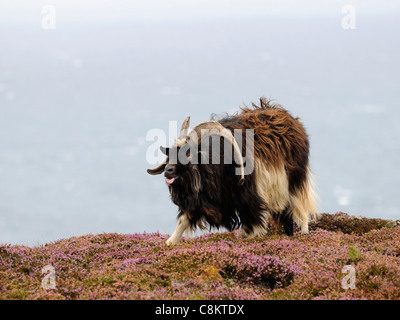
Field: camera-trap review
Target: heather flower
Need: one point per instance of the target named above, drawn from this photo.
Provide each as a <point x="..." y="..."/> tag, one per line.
<point x="213" y="266"/>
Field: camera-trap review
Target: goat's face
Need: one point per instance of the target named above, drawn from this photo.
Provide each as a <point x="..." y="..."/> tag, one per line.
<point x="179" y="168"/>
<point x="181" y="164"/>
<point x="173" y="168"/>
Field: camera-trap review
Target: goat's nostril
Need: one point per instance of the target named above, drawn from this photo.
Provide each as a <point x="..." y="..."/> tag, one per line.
<point x="169" y="169"/>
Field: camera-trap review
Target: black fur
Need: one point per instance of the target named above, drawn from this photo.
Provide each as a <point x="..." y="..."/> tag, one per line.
<point x="221" y="200"/>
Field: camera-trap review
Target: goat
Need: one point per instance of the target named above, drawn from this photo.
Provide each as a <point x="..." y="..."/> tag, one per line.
<point x="279" y="186"/>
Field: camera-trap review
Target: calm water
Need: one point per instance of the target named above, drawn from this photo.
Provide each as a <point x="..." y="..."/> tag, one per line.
<point x="76" y="104"/>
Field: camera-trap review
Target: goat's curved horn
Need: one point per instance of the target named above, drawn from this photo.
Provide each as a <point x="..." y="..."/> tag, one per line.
<point x="184" y="128"/>
<point x="211" y="126"/>
<point x="159" y="169"/>
<point x="183" y="135"/>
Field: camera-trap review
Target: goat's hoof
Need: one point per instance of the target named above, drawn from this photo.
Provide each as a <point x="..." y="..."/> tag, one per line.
<point x="170" y="242"/>
<point x="305" y="232"/>
<point x="243" y="235"/>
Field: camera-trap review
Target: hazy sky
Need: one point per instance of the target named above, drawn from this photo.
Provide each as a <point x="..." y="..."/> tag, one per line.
<point x="155" y="10"/>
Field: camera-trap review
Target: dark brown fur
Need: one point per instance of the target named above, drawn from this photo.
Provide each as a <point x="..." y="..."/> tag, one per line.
<point x="278" y="138"/>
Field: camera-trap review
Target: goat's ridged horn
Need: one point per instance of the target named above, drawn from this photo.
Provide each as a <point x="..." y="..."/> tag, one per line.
<point x="184" y="129"/>
<point x="159" y="169"/>
<point x="211" y="126"/>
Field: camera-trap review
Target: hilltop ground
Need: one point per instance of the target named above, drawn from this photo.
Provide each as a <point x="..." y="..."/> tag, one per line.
<point x="343" y="257"/>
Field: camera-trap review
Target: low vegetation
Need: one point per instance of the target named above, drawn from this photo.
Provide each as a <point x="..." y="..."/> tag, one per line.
<point x="213" y="266"/>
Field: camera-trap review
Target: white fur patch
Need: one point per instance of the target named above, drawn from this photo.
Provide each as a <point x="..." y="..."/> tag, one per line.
<point x="273" y="188"/>
<point x="182" y="226"/>
<point x="304" y="204"/>
<point x="272" y="185"/>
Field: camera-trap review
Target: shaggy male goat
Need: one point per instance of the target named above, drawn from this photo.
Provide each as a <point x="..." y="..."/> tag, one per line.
<point x="268" y="179"/>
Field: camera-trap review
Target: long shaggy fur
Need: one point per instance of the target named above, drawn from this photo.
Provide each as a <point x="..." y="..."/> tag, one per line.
<point x="280" y="186"/>
<point x="281" y="151"/>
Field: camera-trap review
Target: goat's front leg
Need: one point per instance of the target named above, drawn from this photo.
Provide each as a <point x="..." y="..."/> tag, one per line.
<point x="183" y="224"/>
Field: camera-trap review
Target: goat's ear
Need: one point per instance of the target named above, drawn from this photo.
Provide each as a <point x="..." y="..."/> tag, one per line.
<point x="164" y="150"/>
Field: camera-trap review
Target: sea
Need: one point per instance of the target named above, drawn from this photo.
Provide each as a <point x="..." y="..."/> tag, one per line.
<point x="81" y="90"/>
